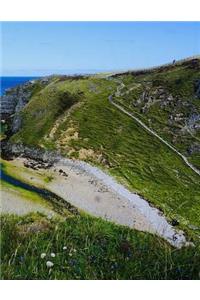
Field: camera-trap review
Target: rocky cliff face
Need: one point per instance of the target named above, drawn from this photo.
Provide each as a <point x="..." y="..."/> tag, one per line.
<point x="13" y="102"/>
<point x="182" y="114"/>
<point x="8" y="103"/>
<point x="15" y="99"/>
<point x="41" y="155"/>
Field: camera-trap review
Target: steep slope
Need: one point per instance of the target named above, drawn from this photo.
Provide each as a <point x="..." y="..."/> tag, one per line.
<point x="74" y="116"/>
<point x="168" y="101"/>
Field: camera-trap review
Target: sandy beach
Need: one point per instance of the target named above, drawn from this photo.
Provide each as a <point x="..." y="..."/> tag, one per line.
<point x="97" y="193"/>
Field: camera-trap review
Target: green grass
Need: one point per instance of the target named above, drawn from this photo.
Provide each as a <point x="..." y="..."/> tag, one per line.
<point x="48" y="179"/>
<point x="179" y="82"/>
<point x="96" y="249"/>
<point x="124" y="149"/>
<point x="41" y="112"/>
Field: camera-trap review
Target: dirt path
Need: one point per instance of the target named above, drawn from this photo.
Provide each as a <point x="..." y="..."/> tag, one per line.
<point x="110" y="98"/>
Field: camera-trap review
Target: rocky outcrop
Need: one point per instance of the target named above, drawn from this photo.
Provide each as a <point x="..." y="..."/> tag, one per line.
<point x="13" y="102"/>
<point x="15" y="99"/>
<point x="10" y="150"/>
<point x="193" y="122"/>
<point x="193" y="149"/>
<point x="182" y="114"/>
<point x="23" y="98"/>
<point x="8" y="104"/>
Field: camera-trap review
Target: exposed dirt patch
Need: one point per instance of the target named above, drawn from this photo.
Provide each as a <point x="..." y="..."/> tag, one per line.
<point x="38" y="226"/>
<point x="86" y="153"/>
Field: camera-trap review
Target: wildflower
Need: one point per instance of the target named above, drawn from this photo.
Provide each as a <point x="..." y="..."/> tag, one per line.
<point x="53" y="254"/>
<point x="64" y="248"/>
<point x="43" y="255"/>
<point x="49" y="264"/>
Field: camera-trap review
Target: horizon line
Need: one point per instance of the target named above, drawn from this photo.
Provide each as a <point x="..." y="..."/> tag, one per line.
<point x="99" y="71"/>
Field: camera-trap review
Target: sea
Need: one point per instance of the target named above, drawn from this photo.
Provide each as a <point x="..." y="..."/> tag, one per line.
<point x="8" y="82"/>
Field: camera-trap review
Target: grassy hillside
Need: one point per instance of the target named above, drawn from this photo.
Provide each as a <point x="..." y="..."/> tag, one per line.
<point x="88" y="127"/>
<point x="45" y="107"/>
<point x="168" y="101"/>
<point x="88" y="248"/>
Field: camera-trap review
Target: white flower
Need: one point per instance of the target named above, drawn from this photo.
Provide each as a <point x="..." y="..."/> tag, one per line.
<point x="43" y="255"/>
<point x="64" y="248"/>
<point x="49" y="264"/>
<point x="53" y="254"/>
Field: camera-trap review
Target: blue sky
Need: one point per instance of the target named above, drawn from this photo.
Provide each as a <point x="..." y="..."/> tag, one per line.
<point x="41" y="48"/>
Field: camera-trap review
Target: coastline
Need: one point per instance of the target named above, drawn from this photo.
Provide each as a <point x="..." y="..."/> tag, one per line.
<point x="92" y="190"/>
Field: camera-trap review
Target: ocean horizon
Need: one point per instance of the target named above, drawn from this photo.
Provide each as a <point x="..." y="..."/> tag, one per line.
<point x="7" y="82"/>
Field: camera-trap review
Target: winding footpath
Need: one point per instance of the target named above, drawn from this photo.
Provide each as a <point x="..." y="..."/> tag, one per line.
<point x="150" y="130"/>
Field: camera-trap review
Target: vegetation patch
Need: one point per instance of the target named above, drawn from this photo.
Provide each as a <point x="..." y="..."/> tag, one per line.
<point x="82" y="247"/>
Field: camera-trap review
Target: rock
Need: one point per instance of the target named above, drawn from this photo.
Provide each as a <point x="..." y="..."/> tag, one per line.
<point x="33" y="164"/>
<point x="61" y="172"/>
<point x="174" y="222"/>
<point x="194" y="148"/>
<point x="23" y="99"/>
<point x="15" y="99"/>
<point x="12" y="103"/>
<point x="8" y="103"/>
<point x="45" y="157"/>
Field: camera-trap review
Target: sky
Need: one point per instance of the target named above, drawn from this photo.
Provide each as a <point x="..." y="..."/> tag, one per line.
<point x="43" y="48"/>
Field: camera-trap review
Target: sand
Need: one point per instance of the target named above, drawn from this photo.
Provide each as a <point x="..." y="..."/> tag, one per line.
<point x="97" y="193"/>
